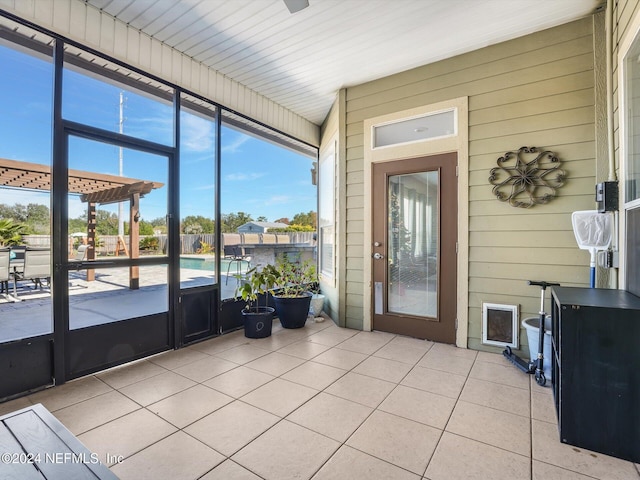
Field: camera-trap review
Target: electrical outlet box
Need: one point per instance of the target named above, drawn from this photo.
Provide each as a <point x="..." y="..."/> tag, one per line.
<point x="608" y="259"/>
<point x="607" y="196"/>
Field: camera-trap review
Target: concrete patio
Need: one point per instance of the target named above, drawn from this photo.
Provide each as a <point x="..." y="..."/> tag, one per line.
<point x="322" y="402"/>
<point x="92" y="303"/>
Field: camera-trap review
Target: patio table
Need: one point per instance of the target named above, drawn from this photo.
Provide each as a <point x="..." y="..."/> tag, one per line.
<point x="34" y="444"/>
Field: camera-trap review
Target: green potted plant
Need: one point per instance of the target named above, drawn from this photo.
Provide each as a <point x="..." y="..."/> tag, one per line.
<point x="258" y="320"/>
<point x="292" y="299"/>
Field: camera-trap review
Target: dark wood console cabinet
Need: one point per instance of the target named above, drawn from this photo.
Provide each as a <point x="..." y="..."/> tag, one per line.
<point x="596" y="369"/>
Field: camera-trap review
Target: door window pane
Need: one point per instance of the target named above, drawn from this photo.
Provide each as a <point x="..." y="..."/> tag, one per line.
<point x="197" y="193"/>
<point x="413" y="244"/>
<point x="100" y="230"/>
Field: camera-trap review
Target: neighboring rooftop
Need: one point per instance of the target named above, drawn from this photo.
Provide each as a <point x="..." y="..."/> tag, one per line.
<point x="260" y="227"/>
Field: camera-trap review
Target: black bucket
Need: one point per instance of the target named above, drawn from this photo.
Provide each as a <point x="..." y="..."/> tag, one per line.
<point x="258" y="322"/>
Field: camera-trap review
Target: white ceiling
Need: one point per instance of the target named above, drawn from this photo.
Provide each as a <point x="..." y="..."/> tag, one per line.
<point x="301" y="60"/>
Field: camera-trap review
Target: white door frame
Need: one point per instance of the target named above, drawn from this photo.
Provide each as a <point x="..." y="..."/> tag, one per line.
<point x="456" y="143"/>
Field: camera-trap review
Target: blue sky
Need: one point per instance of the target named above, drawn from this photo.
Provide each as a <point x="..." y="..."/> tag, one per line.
<point x="258" y="177"/>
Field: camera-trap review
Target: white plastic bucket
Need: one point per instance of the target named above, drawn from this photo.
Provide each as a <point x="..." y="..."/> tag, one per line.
<point x="533" y="332"/>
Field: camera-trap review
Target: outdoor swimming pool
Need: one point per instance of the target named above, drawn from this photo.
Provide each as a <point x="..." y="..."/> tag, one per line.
<point x="199" y="263"/>
<point x="209" y="264"/>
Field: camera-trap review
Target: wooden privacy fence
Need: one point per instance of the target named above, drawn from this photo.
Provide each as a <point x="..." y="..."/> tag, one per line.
<point x="189" y="243"/>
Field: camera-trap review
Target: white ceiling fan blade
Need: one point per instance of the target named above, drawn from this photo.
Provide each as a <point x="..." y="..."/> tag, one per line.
<point x="296" y="5"/>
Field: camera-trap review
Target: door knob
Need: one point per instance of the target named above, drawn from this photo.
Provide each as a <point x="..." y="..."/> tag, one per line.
<point x="378" y="256"/>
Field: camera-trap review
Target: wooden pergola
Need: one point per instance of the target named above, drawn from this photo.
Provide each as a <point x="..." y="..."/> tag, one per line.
<point x="93" y="188"/>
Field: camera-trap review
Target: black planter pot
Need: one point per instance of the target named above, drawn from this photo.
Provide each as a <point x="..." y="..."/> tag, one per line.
<point x="292" y="311"/>
<point x="258" y="322"/>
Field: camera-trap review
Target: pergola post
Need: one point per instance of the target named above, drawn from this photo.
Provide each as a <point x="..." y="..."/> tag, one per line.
<point x="134" y="240"/>
<point x="91" y="239"/>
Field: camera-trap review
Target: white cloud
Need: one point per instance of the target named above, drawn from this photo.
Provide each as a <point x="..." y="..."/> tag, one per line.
<point x="243" y="177"/>
<point x="235" y="145"/>
<point x="278" y="200"/>
<point x="158" y="129"/>
<point x="205" y="187"/>
<point x="197" y="134"/>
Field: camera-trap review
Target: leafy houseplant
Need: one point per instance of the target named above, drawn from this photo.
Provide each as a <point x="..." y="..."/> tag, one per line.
<point x="292" y="298"/>
<point x="257" y="320"/>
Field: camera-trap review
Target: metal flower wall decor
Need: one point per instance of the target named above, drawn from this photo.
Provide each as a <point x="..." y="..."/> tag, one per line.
<point x="527" y="177"/>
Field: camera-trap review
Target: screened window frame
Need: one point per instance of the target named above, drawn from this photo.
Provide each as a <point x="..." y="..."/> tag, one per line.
<point x="327" y="161"/>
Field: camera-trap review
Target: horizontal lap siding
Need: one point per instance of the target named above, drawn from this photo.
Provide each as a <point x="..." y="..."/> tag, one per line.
<point x="537" y="90"/>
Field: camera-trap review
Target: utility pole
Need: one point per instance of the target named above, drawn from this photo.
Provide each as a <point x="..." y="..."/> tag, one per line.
<point x="120" y="170"/>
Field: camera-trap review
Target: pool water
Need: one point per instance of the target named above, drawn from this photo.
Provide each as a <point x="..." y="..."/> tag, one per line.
<point x="209" y="264"/>
<point x="198" y="264"/>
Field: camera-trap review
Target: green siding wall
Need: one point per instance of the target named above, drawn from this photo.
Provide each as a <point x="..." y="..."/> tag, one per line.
<point x="537" y="90"/>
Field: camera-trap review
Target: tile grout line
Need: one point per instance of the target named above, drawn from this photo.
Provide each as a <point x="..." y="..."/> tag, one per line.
<point x="281" y="419"/>
<point x="444" y="429"/>
<point x="373" y="410"/>
<point x="341" y="444"/>
<point x="530" y="430"/>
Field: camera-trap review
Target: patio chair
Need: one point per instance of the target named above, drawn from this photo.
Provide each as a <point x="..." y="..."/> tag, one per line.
<point x="237" y="256"/>
<point x="5" y="271"/>
<point x="37" y="267"/>
<point x="81" y="253"/>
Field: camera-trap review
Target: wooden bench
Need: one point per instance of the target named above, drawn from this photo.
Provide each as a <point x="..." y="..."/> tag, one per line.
<point x="34" y="444"/>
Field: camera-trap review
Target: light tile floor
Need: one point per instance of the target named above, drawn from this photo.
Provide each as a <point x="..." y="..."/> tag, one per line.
<point x="324" y="403"/>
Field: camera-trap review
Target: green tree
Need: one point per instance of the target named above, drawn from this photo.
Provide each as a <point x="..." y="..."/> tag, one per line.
<point x="294" y="227"/>
<point x="197" y="224"/>
<point x="309" y="218"/>
<point x="144" y="228"/>
<point x="231" y="221"/>
<point x="262" y="218"/>
<point x="38" y="218"/>
<point x="17" y="212"/>
<point x="192" y="228"/>
<point x="106" y="222"/>
<point x="34" y="217"/>
<point x="77" y="224"/>
<point x="159" y="229"/>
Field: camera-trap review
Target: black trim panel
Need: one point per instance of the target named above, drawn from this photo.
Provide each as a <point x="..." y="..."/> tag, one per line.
<point x="25" y="365"/>
<point x="98" y="347"/>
